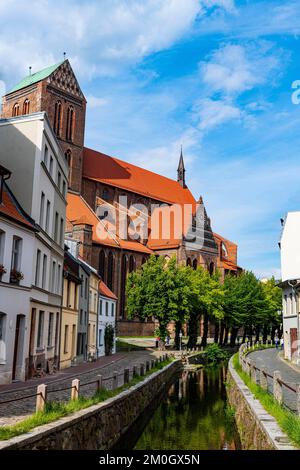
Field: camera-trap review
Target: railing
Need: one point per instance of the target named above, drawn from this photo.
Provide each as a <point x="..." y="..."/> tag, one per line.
<point x="100" y="382"/>
<point x="278" y="384"/>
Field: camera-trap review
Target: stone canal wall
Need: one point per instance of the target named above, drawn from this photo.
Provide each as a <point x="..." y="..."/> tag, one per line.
<point x="258" y="430"/>
<point x="99" y="426"/>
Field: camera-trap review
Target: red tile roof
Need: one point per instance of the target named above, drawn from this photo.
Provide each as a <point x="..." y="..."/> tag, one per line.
<point x="112" y="171"/>
<point x="78" y="211"/>
<point x="11" y="209"/>
<point x="105" y="291"/>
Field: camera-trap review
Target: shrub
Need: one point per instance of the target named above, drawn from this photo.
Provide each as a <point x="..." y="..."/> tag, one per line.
<point x="215" y="354"/>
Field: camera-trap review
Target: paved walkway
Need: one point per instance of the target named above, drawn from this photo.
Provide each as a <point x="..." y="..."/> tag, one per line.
<point x="268" y="359"/>
<point x="14" y="412"/>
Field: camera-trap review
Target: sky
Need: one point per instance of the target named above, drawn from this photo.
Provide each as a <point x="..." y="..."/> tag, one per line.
<point x="214" y="76"/>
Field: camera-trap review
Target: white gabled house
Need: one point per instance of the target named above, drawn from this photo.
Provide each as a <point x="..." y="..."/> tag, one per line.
<point x="107" y="309"/>
<point x="17" y="246"/>
<point x="290" y="284"/>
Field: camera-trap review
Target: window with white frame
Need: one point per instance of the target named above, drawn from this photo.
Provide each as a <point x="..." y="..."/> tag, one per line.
<point x="42" y="209"/>
<point x="16" y="253"/>
<point x="37" y="267"/>
<point x="44" y="272"/>
<point x="47" y="216"/>
<point x="51" y="166"/>
<point x="106" y="309"/>
<point x="50" y="330"/>
<point x="2" y="337"/>
<point x="2" y="241"/>
<point x="112" y="309"/>
<point x="53" y="277"/>
<point x="46" y="155"/>
<point x="100" y="307"/>
<point x="40" y="332"/>
<point x="58" y="279"/>
<point x="100" y="338"/>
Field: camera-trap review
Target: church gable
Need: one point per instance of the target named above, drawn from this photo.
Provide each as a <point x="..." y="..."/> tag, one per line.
<point x="63" y="78"/>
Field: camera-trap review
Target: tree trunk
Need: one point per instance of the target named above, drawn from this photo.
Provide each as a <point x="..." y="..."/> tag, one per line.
<point x="217" y="329"/>
<point x="234" y="332"/>
<point x="257" y="333"/>
<point x="193" y="330"/>
<point x="273" y="333"/>
<point x="178" y="329"/>
<point x="226" y="336"/>
<point x="244" y="335"/>
<point x="250" y="334"/>
<point x="205" y="331"/>
<point x="221" y="334"/>
<point x="265" y="333"/>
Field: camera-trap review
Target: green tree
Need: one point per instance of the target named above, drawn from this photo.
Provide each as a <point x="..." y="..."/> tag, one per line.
<point x="273" y="315"/>
<point x="206" y="300"/>
<point x="159" y="289"/>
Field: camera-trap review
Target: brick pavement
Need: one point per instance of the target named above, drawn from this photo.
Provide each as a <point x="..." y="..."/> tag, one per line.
<point x="268" y="359"/>
<point x="16" y="411"/>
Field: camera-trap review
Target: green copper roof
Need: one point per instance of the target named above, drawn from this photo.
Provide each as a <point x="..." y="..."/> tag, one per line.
<point x="35" y="77"/>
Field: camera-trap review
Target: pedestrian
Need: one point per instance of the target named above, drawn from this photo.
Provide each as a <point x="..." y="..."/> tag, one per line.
<point x="281" y="343"/>
<point x="276" y="339"/>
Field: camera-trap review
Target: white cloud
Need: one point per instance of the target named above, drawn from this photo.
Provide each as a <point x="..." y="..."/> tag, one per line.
<point x="95" y="102"/>
<point x="233" y="68"/>
<point x="164" y="159"/>
<point x="2" y="88"/>
<point x="100" y="37"/>
<point x="212" y="113"/>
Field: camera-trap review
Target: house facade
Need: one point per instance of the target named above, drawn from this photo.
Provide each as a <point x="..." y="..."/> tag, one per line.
<point x="39" y="179"/>
<point x="106" y="317"/>
<point x="17" y="248"/>
<point x="290" y="284"/>
<point x="70" y="311"/>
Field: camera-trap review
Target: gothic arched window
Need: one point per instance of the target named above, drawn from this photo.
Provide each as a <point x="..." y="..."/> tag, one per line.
<point x="123" y="285"/>
<point x="26" y="106"/>
<point x="105" y="194"/>
<point x="211" y="268"/>
<point x="70" y="123"/>
<point x="68" y="157"/>
<point x="195" y="264"/>
<point x="188" y="262"/>
<point x="144" y="260"/>
<point x="57" y="118"/>
<point x="110" y="270"/>
<point x="131" y="263"/>
<point x="102" y="264"/>
<point x="16" y="109"/>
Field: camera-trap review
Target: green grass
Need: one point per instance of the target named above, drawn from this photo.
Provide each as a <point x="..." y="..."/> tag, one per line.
<point x="56" y="410"/>
<point x="287" y="421"/>
<point x="125" y="346"/>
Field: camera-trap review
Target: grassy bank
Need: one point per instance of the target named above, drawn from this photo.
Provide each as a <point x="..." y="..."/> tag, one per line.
<point x="56" y="410"/>
<point x="287" y="421"/>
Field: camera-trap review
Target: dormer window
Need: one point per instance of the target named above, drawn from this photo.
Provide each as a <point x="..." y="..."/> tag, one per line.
<point x="223" y="251"/>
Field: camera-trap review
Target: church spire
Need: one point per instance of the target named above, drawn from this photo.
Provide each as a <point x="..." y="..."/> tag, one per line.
<point x="181" y="171"/>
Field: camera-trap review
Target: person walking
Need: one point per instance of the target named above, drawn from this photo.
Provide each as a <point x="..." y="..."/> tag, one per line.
<point x="276" y="339"/>
<point x="281" y="343"/>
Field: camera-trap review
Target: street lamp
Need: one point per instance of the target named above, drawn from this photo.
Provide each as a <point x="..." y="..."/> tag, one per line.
<point x="180" y="339"/>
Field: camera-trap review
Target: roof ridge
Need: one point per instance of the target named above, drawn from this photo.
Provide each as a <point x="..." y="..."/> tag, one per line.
<point x="34" y="77"/>
<point x="136" y="166"/>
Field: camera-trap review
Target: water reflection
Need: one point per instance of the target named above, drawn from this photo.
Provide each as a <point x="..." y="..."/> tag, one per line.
<point x="192" y="415"/>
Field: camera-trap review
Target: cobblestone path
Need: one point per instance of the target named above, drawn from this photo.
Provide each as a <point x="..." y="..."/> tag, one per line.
<point x="268" y="359"/>
<point x="11" y="413"/>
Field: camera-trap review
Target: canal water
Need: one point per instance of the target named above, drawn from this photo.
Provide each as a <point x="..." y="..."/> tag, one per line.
<point x="191" y="415"/>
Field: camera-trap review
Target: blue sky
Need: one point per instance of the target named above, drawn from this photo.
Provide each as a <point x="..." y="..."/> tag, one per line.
<point x="214" y="76"/>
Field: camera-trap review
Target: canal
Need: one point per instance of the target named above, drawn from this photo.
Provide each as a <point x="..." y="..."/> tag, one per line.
<point x="192" y="414"/>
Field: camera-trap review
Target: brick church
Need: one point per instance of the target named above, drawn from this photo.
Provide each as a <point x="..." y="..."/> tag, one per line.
<point x="100" y="181"/>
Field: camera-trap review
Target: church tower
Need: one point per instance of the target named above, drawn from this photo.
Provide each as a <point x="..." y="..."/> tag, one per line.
<point x="56" y="91"/>
<point x="181" y="171"/>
